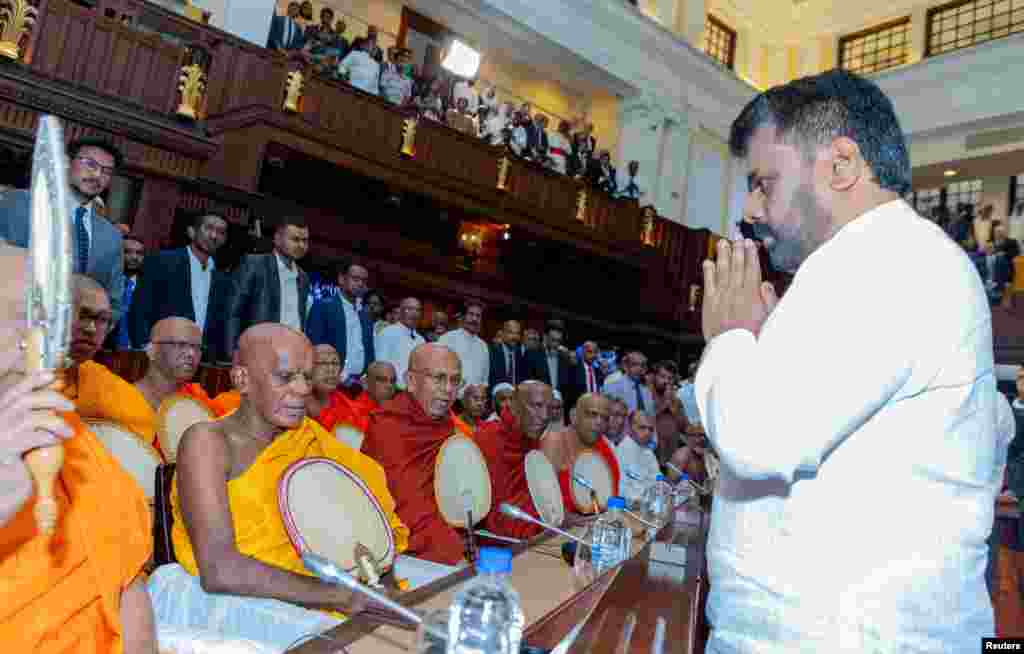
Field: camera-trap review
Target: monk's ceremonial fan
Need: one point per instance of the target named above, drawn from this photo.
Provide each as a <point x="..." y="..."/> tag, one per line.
<point x="350" y="436"/>
<point x="177" y="413"/>
<point x="462" y="481"/>
<point x="542" y="480"/>
<point x="135" y="455"/>
<point x="592" y="467"/>
<point x="330" y="511"/>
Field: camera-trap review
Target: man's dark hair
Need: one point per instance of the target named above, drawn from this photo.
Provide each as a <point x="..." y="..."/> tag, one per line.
<point x="668" y="365"/>
<point x="102" y="144"/>
<point x="815" y="110"/>
<point x="342" y="268"/>
<point x="293" y="221"/>
<point x="199" y="218"/>
<point x="554" y="325"/>
<point x="470" y="303"/>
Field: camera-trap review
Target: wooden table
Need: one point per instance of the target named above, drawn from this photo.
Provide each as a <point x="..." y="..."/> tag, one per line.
<point x="554" y="601"/>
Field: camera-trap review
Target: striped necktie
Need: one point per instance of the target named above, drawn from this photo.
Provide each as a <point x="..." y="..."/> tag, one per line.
<point x="81" y="241"/>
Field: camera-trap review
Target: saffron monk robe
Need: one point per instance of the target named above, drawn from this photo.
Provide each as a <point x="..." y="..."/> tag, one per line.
<point x="331" y="407"/>
<point x="80" y="591"/>
<point x="562" y="447"/>
<point x="100" y="394"/>
<point x="405" y="436"/>
<point x="505" y="444"/>
<point x="238" y="573"/>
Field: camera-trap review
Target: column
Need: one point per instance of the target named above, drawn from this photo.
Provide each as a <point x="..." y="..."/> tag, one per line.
<point x="691" y="22"/>
<point x="641" y="125"/>
<point x="918" y="33"/>
<point x="675" y="159"/>
<point x="247" y="19"/>
<point x="668" y="12"/>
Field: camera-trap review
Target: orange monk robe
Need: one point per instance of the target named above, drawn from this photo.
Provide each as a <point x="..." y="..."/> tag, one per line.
<point x="505" y="447"/>
<point x="253" y="499"/>
<point x="64" y="594"/>
<point x="341" y="410"/>
<point x="198" y="393"/>
<point x="226" y="402"/>
<point x="565" y="475"/>
<point x="462" y="426"/>
<point x="406" y="441"/>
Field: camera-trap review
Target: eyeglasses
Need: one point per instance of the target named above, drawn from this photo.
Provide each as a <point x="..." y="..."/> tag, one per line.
<point x="180" y="345"/>
<point x="442" y="380"/>
<point x="101" y="321"/>
<point x="94" y="166"/>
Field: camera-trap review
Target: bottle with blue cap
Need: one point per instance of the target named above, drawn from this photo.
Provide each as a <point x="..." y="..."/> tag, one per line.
<point x="486" y="616"/>
<point x="608" y="540"/>
<point x="658" y="500"/>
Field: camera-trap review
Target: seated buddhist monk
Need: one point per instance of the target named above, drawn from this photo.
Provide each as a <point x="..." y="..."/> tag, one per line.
<point x="405" y="436"/>
<point x="505" y="443"/>
<point x="336" y="411"/>
<point x="563" y="446"/>
<point x="80" y="590"/>
<point x="474" y="406"/>
<point x="238" y="573"/>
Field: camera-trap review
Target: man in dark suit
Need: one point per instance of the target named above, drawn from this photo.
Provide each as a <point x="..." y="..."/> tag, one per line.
<point x="91" y="165"/>
<point x="586" y="375"/>
<point x="185" y="283"/>
<point x="285" y="31"/>
<point x="508" y="361"/>
<point x="270" y="287"/>
<point x="552" y="362"/>
<point x="342" y="322"/>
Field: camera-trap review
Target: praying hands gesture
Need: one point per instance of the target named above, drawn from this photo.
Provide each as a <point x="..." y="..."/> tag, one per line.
<point x="734" y="295"/>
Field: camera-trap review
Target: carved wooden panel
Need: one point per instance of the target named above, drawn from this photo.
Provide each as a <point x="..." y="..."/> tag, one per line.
<point x="242" y="77"/>
<point x="357" y="122"/>
<point x="459" y="156"/>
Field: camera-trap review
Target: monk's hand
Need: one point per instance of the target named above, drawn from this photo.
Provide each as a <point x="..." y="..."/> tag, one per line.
<point x="735" y="297"/>
<point x="26" y="413"/>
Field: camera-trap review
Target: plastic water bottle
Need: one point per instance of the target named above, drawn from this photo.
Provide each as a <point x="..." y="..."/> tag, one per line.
<point x="610" y="537"/>
<point x="658" y="500"/>
<point x="485" y="616"/>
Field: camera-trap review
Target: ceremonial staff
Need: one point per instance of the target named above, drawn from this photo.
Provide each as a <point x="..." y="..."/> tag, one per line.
<point x="49" y="295"/>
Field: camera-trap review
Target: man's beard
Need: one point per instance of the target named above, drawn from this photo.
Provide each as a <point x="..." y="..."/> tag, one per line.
<point x="793" y="244"/>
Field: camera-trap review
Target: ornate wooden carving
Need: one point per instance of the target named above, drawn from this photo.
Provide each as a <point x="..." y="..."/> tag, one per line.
<point x="17" y="17"/>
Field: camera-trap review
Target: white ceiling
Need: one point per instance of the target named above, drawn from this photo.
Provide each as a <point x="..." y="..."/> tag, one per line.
<point x="788" y="21"/>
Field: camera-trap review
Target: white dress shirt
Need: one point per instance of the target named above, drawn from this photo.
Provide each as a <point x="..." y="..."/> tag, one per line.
<point x="363" y="71"/>
<point x="289" y="294"/>
<point x="857" y="440"/>
<point x="201" y="279"/>
<point x="355" y="355"/>
<point x="394" y="344"/>
<point x="473" y="352"/>
<point x="638" y="460"/>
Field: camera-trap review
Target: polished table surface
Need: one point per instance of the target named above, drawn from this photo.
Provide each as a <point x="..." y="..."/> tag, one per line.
<point x="555" y="601"/>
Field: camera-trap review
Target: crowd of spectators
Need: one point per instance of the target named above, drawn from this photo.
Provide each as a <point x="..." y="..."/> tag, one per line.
<point x="570" y="148"/>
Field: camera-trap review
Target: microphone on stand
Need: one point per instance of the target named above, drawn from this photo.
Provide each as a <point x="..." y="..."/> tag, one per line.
<point x="519" y="514"/>
<point x="332" y="573"/>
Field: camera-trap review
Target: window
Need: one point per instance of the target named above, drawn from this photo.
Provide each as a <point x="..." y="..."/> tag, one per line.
<point x="720" y="42"/>
<point x="877" y="48"/>
<point x="966" y="192"/>
<point x="962" y="24"/>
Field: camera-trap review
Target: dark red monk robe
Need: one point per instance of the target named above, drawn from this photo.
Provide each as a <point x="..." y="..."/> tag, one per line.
<point x="505" y="447"/>
<point x="565" y="476"/>
<point x="405" y="441"/>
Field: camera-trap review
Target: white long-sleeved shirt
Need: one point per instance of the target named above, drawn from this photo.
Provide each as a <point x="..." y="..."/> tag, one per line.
<point x="394" y="344"/>
<point x="473" y="352"/>
<point x="858" y="449"/>
<point x="638" y="460"/>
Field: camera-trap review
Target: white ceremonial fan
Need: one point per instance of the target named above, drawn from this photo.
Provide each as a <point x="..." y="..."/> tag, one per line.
<point x="329" y="510"/>
<point x="592" y="467"/>
<point x="136" y="456"/>
<point x="542" y="480"/>
<point x="461" y="480"/>
<point x="177" y="413"/>
<point x="350" y="436"/>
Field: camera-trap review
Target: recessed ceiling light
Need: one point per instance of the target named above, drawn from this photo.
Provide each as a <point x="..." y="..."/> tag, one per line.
<point x="950" y="173"/>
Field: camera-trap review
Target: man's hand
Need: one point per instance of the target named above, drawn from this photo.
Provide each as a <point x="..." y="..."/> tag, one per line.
<point x="25" y="413"/>
<point x="734" y="295"/>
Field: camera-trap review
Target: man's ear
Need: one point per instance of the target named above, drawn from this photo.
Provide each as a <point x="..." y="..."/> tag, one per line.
<point x="191" y="231"/>
<point x="848" y="166"/>
<point x="240" y="379"/>
<point x="150" y="351"/>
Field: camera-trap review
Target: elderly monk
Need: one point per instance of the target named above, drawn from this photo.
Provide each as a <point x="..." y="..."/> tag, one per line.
<point x="81" y="590"/>
<point x="563" y="446"/>
<point x="506" y="443"/>
<point x="405" y="436"/>
<point x="334" y="409"/>
<point x="474" y="405"/>
<point x="238" y="573"/>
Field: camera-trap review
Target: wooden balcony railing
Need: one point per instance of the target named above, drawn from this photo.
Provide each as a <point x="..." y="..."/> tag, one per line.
<point x="163" y="63"/>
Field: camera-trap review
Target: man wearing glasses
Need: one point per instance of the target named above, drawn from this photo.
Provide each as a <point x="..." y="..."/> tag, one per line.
<point x="97" y="250"/>
<point x="405" y="436"/>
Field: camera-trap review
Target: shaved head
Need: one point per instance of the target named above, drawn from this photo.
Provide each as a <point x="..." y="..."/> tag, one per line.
<point x="326" y="370"/>
<point x="380" y="381"/>
<point x="175" y="348"/>
<point x="591" y="418"/>
<point x="91" y="319"/>
<point x="428" y="364"/>
<point x="273" y="373"/>
<point x="13" y="311"/>
<point x="531" y="406"/>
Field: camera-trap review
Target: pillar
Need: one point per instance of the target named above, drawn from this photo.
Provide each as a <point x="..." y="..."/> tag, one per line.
<point x="675" y="159"/>
<point x="641" y="125"/>
<point x="918" y="33"/>
<point x="691" y="22"/>
<point x="668" y="12"/>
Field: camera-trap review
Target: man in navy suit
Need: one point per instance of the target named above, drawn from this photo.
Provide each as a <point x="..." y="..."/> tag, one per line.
<point x="91" y="165"/>
<point x="342" y="322"/>
<point x="185" y="283"/>
<point x="508" y="361"/>
<point x="285" y="31"/>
